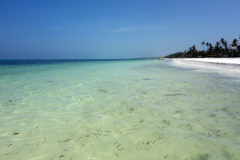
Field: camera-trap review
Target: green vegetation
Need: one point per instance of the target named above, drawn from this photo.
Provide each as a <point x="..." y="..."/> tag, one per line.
<point x="219" y="50"/>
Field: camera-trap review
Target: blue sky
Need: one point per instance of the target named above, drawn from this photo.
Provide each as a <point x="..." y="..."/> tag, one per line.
<point x="106" y="29"/>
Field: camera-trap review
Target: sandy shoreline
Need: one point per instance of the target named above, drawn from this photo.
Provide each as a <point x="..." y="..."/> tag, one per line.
<point x="214" y="60"/>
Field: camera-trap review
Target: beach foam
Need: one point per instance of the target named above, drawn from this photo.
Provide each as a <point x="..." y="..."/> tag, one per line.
<point x="224" y="66"/>
<point x="215" y="60"/>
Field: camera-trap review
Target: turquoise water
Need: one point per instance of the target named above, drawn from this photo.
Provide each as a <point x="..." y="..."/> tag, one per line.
<point x="129" y="109"/>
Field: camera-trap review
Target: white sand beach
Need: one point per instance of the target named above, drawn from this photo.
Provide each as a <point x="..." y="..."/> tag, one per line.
<point x="224" y="66"/>
<point x="215" y="60"/>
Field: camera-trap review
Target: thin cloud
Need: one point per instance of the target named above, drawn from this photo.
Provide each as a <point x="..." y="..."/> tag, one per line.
<point x="57" y="28"/>
<point x="132" y="29"/>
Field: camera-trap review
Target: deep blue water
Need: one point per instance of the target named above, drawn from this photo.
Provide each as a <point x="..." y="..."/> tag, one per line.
<point x="53" y="61"/>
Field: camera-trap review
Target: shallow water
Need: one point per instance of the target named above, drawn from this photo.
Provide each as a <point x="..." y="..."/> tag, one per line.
<point x="135" y="109"/>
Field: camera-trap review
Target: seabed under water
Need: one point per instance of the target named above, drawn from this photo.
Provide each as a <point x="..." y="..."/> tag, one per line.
<point x="141" y="109"/>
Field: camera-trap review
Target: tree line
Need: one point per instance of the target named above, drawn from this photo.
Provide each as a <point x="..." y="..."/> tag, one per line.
<point x="220" y="49"/>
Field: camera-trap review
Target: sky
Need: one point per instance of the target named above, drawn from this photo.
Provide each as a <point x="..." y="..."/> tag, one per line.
<point x="112" y="29"/>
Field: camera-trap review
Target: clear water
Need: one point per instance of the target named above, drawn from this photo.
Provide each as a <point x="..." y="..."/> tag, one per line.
<point x="129" y="109"/>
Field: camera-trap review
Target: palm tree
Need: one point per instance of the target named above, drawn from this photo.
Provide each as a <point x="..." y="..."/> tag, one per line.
<point x="203" y="44"/>
<point x="210" y="48"/>
<point x="217" y="47"/>
<point x="234" y="44"/>
<point x="224" y="43"/>
<point x="207" y="44"/>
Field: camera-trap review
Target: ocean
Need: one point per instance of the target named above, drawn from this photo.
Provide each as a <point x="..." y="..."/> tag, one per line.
<point x="119" y="110"/>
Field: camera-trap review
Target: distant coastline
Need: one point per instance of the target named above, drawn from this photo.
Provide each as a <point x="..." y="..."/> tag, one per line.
<point x="221" y="49"/>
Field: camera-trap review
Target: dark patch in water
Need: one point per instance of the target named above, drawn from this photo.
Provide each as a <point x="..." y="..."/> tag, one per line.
<point x="178" y="111"/>
<point x="203" y="157"/>
<point x="226" y="154"/>
<point x="102" y="90"/>
<point x="167" y="122"/>
<point x="173" y="94"/>
<point x="49" y="81"/>
<point x="131" y="109"/>
<point x="212" y="115"/>
<point x="146" y="79"/>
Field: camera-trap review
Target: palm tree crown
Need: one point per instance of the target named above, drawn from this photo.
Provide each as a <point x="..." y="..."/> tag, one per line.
<point x="235" y="42"/>
<point x="203" y="44"/>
